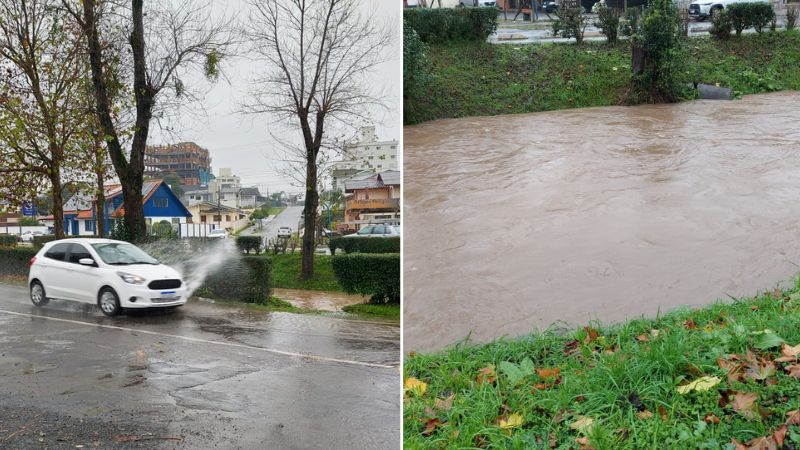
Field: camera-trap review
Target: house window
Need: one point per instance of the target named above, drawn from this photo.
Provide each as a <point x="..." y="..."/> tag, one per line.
<point x="176" y="220"/>
<point x="160" y="202"/>
<point x="227" y="218"/>
<point x="203" y="219"/>
<point x="217" y="218"/>
<point x="89" y="225"/>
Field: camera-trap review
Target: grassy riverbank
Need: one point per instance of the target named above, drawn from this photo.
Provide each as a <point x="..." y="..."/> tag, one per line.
<point x="690" y="379"/>
<point x="478" y="79"/>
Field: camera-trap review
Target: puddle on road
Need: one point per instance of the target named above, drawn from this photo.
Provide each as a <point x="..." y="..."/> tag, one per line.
<point x="526" y="220"/>
<point x="318" y="300"/>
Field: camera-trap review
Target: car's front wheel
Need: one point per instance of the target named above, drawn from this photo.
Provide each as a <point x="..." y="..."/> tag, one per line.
<point x="108" y="301"/>
<point x="38" y="297"/>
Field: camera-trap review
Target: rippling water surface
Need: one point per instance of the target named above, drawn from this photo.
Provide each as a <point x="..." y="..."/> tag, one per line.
<point x="517" y="222"/>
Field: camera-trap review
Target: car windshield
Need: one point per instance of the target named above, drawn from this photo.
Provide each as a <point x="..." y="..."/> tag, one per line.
<point x="122" y="254"/>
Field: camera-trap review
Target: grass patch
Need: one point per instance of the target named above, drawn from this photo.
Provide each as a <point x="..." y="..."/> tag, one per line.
<point x="481" y="79"/>
<point x="368" y="310"/>
<point x="617" y="387"/>
<point x="274" y="304"/>
<point x="21" y="280"/>
<point x="275" y="210"/>
<point x="286" y="273"/>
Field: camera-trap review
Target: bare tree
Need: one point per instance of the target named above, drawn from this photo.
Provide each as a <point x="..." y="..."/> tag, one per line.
<point x="40" y="111"/>
<point x="168" y="40"/>
<point x="316" y="57"/>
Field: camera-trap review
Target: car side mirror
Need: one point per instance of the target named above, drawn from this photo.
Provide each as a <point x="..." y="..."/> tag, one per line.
<point x="87" y="262"/>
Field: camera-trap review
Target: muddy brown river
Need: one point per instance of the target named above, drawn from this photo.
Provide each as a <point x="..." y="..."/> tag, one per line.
<point x="518" y="222"/>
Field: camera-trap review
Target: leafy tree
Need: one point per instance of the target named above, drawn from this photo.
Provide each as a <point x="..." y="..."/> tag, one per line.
<point x="41" y="117"/>
<point x="164" y="42"/>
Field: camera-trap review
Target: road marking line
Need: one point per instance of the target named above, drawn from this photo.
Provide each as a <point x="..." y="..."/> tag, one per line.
<point x="206" y="341"/>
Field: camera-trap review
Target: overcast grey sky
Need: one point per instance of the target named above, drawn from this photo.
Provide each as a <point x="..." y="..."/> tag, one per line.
<point x="243" y="142"/>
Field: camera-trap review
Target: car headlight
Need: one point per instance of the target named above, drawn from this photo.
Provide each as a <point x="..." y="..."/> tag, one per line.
<point x="131" y="278"/>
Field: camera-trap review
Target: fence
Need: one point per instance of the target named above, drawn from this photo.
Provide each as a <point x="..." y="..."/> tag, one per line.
<point x="186" y="230"/>
<point x="17" y="230"/>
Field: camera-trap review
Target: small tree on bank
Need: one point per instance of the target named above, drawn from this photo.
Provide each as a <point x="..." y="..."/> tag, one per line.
<point x="315" y="58"/>
<point x="657" y="56"/>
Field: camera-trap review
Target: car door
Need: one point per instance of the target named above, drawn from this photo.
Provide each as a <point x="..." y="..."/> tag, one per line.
<point x="53" y="274"/>
<point x="84" y="279"/>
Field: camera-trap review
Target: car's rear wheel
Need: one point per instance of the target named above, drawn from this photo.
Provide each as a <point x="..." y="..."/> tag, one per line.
<point x="38" y="297"/>
<point x="108" y="301"/>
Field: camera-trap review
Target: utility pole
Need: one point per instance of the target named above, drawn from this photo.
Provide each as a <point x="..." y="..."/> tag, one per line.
<point x="219" y="205"/>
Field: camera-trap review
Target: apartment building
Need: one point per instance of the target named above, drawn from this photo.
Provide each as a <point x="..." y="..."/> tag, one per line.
<point x="368" y="153"/>
<point x="188" y="160"/>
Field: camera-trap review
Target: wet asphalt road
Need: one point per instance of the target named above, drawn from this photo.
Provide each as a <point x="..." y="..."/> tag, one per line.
<point x="202" y="377"/>
<point x="289" y="217"/>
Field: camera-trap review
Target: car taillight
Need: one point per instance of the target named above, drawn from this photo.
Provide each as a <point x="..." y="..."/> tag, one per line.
<point x="33" y="260"/>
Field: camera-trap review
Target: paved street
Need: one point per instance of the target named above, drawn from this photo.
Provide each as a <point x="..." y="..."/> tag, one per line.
<point x="205" y="376"/>
<point x="289" y="217"/>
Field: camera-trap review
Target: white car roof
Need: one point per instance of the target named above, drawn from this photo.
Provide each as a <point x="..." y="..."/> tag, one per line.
<point x="86" y="241"/>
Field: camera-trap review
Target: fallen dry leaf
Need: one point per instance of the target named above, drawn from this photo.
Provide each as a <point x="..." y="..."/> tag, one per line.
<point x="584" y="443"/>
<point x="779" y="435"/>
<point x="591" y="335"/>
<point x="548" y="373"/>
<point x="553" y="443"/>
<point x="571" y="347"/>
<point x="793" y="417"/>
<point x="745" y="404"/>
<point x="733" y="367"/>
<point x="644" y="415"/>
<point x="444" y="405"/>
<point x="643" y="338"/>
<point x="512" y="421"/>
<point x="793" y="371"/>
<point x="788" y="353"/>
<point x="430" y="426"/>
<point x="663" y="412"/>
<point x="689" y="324"/>
<point x="758" y="369"/>
<point x="415" y="386"/>
<point x="487" y="375"/>
<point x="582" y="424"/>
<point x="711" y="418"/>
<point x="760" y="443"/>
<point x="701" y="384"/>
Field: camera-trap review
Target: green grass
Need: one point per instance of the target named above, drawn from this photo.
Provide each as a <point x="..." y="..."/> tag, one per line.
<point x="624" y="379"/>
<point x="286" y="273"/>
<point x="368" y="310"/>
<point x="275" y="210"/>
<point x="479" y="79"/>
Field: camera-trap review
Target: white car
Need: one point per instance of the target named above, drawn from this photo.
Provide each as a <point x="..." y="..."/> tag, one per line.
<point x="284" y="232"/>
<point x="379" y="230"/>
<point x="114" y="275"/>
<point x="702" y="9"/>
<point x="218" y="233"/>
<point x="478" y="3"/>
<point x="28" y="235"/>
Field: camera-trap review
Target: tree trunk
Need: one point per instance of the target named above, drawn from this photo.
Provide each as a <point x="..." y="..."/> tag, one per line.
<point x="310" y="218"/>
<point x="100" y="206"/>
<point x="58" y="202"/>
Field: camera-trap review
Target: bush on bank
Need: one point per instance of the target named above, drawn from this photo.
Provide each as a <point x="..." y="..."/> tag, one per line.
<point x="452" y="24"/>
<point x="365" y="245"/>
<point x="8" y="240"/>
<point x="249" y="243"/>
<point x="750" y="15"/>
<point x="480" y="79"/>
<point x="376" y="275"/>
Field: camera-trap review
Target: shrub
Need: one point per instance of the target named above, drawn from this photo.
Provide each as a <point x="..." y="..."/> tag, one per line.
<point x="721" y="26"/>
<point x="746" y="15"/>
<point x="365" y="245"/>
<point x="377" y="275"/>
<point x="15" y="260"/>
<point x="259" y="286"/>
<point x="8" y="240"/>
<point x="162" y="229"/>
<point x="629" y="25"/>
<point x="28" y="222"/>
<point x="791" y="17"/>
<point x="607" y="21"/>
<point x="452" y="24"/>
<point x="39" y="241"/>
<point x="658" y="56"/>
<point x="248" y="243"/>
<point x="571" y="22"/>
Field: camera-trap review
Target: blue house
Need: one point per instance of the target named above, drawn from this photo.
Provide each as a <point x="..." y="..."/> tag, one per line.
<point x="160" y="204"/>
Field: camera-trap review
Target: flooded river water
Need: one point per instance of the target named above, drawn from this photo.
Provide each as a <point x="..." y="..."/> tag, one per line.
<point x="518" y="222"/>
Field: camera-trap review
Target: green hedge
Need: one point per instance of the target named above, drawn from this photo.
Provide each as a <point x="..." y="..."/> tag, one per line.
<point x="248" y="279"/>
<point x="377" y="275"/>
<point x="365" y="245"/>
<point x="452" y="24"/>
<point x="8" y="240"/>
<point x="248" y="243"/>
<point x="39" y="241"/>
<point x="15" y="260"/>
<point x="750" y="15"/>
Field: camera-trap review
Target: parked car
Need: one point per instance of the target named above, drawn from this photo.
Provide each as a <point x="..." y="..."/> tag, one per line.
<point x="703" y="9"/>
<point x="114" y="275"/>
<point x="218" y="233"/>
<point x="478" y="3"/>
<point x="379" y="230"/>
<point x="410" y="3"/>
<point x="284" y="232"/>
<point x="28" y="235"/>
